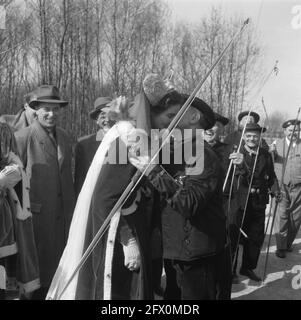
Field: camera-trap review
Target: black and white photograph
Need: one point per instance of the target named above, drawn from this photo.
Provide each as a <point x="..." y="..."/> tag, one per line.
<point x="150" y="150"/>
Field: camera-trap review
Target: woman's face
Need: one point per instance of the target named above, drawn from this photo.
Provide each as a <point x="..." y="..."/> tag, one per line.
<point x="163" y="119"/>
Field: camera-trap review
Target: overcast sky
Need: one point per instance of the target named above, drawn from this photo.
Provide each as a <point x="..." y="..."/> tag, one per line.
<point x="277" y="36"/>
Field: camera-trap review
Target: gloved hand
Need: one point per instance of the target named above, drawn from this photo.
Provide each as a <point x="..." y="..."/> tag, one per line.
<point x="132" y="259"/>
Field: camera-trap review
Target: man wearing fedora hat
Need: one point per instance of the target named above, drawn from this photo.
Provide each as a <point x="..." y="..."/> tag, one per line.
<point x="23" y="118"/>
<point x="288" y="216"/>
<point x="223" y="151"/>
<point x="45" y="151"/>
<point x="86" y="147"/>
<point x="251" y="226"/>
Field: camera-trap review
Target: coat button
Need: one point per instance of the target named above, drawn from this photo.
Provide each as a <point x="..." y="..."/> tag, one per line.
<point x="28" y="209"/>
<point x="59" y="195"/>
<point x="187" y="241"/>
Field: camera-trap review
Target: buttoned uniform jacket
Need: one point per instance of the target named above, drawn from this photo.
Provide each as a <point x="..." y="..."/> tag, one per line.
<point x="85" y="150"/>
<point x="52" y="197"/>
<point x="223" y="151"/>
<point x="193" y="220"/>
<point x="264" y="179"/>
<point x="16" y="122"/>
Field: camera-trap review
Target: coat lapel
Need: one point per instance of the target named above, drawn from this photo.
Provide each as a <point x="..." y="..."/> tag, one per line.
<point x="61" y="147"/>
<point x="44" y="139"/>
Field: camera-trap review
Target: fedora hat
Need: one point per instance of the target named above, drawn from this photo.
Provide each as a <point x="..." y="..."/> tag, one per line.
<point x="99" y="103"/>
<point x="219" y="118"/>
<point x="45" y="94"/>
<point x="202" y="106"/>
<point x="254" y="127"/>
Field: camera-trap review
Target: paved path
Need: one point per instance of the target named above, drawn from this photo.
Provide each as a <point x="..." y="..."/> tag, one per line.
<point x="281" y="275"/>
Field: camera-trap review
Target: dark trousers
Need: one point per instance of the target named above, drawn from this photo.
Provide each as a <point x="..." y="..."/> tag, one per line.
<point x="157" y="266"/>
<point x="253" y="227"/>
<point x="196" y="279"/>
<point x="40" y="294"/>
<point x="172" y="290"/>
<point x="288" y="217"/>
<point x="224" y="274"/>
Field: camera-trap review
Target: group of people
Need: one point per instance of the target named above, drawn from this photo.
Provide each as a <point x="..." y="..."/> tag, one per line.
<point x="188" y="217"/>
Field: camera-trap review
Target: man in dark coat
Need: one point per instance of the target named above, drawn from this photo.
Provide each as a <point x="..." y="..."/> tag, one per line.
<point x="86" y="147"/>
<point x="223" y="151"/>
<point x="45" y="151"/>
<point x="193" y="221"/>
<point x="251" y="226"/>
<point x="212" y="136"/>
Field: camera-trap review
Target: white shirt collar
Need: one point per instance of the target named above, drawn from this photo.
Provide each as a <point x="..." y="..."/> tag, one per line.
<point x="288" y="142"/>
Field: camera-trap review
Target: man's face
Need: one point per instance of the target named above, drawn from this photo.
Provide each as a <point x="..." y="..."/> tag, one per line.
<point x="244" y="120"/>
<point x="252" y="138"/>
<point x="213" y="134"/>
<point x="163" y="119"/>
<point x="288" y="132"/>
<point x="103" y="120"/>
<point x="47" y="114"/>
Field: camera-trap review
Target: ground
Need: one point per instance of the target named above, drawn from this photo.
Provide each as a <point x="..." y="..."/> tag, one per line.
<point x="282" y="275"/>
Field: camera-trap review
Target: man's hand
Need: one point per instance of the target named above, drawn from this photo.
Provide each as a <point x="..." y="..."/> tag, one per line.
<point x="141" y="163"/>
<point x="237" y="158"/>
<point x="132" y="259"/>
<point x="272" y="148"/>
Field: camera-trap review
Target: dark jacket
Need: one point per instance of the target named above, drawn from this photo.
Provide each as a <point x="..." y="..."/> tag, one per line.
<point x="264" y="178"/>
<point x="193" y="221"/>
<point x="223" y="152"/>
<point x="85" y="150"/>
<point x="52" y="196"/>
